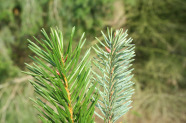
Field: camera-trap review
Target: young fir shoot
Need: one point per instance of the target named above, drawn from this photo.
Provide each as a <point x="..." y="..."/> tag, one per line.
<point x="62" y="80"/>
<point x="114" y="57"/>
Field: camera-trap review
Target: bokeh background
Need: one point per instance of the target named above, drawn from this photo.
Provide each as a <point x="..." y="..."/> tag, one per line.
<point x="158" y="28"/>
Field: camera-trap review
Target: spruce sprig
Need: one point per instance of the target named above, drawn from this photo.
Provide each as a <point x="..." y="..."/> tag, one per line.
<point x="114" y="57"/>
<point x="62" y="80"/>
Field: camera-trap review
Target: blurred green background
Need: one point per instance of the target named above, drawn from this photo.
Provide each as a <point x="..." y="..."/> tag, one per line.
<point x="158" y="28"/>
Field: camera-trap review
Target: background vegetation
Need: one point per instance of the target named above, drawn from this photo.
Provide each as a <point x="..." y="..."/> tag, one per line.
<point x="158" y="30"/>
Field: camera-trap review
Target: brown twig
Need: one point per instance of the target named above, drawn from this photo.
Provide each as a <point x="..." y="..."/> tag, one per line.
<point x="15" y="81"/>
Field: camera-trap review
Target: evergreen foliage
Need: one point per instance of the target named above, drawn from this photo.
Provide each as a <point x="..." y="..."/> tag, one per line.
<point x="158" y="30"/>
<point x="22" y="18"/>
<point x="65" y="82"/>
<point x="7" y="69"/>
<point x="114" y="62"/>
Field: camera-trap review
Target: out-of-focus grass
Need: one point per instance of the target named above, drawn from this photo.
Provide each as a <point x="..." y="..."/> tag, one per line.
<point x="161" y="107"/>
<point x="15" y="105"/>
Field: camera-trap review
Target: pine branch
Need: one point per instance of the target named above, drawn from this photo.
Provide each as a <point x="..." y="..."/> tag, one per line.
<point x="65" y="84"/>
<point x="113" y="61"/>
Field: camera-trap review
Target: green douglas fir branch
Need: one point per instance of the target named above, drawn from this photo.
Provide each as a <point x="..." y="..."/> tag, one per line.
<point x="114" y="57"/>
<point x="62" y="79"/>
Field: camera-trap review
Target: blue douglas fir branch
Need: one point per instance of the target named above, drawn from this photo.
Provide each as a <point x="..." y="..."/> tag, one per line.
<point x="114" y="57"/>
